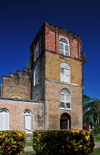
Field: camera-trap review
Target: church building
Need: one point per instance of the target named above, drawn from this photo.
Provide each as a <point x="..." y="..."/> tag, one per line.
<point x="49" y="95"/>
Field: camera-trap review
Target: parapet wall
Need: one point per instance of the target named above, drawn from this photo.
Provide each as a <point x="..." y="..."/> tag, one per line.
<point x="17" y="85"/>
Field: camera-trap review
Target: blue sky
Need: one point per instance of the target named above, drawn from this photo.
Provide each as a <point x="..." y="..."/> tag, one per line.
<point x="20" y="20"/>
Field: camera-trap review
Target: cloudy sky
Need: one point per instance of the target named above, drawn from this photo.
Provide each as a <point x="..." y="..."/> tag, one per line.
<point x="20" y="20"/>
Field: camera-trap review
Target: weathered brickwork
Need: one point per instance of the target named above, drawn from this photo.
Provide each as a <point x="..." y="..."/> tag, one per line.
<point x="17" y="85"/>
<point x="39" y="88"/>
<point x="49" y="36"/>
<point x="49" y="84"/>
<point x="52" y="68"/>
<point x="16" y="109"/>
<point x="52" y="95"/>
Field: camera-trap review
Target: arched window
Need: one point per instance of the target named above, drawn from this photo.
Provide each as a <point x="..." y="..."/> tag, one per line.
<point x="64" y="46"/>
<point x="37" y="51"/>
<point x="65" y="72"/>
<point x="65" y="99"/>
<point x="36" y="75"/>
<point x="4" y="119"/>
<point x="28" y="121"/>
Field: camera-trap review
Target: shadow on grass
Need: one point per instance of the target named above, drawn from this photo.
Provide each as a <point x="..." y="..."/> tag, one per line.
<point x="96" y="151"/>
<point x="96" y="138"/>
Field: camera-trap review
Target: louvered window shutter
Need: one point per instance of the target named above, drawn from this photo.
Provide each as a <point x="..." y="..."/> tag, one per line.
<point x="67" y="98"/>
<point x="28" y="123"/>
<point x="1" y="121"/>
<point x="68" y="101"/>
<point x="62" y="100"/>
<point x="62" y="74"/>
<point x="62" y="97"/>
<point x="32" y="122"/>
<point x="66" y="50"/>
<point x="67" y="72"/>
<point x="6" y="120"/>
<point x="61" y="48"/>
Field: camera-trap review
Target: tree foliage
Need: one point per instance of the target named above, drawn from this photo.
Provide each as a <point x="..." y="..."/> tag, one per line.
<point x="91" y="110"/>
<point x="84" y="58"/>
<point x="86" y="113"/>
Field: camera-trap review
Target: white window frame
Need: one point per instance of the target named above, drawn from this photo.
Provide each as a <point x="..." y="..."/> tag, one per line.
<point x="64" y="46"/>
<point x="37" y="51"/>
<point x="36" y="70"/>
<point x="26" y="114"/>
<point x="3" y="114"/>
<point x="65" y="99"/>
<point x="65" y="72"/>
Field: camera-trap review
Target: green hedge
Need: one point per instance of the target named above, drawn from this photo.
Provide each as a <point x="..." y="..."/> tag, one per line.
<point x="60" y="142"/>
<point x="12" y="142"/>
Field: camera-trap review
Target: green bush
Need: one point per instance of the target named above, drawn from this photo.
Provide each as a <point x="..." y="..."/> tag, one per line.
<point x="60" y="142"/>
<point x="96" y="129"/>
<point x="12" y="142"/>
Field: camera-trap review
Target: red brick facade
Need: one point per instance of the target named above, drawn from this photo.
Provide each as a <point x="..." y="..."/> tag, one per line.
<point x="49" y="41"/>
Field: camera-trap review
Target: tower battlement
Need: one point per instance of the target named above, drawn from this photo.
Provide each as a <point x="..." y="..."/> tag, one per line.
<point x="49" y="38"/>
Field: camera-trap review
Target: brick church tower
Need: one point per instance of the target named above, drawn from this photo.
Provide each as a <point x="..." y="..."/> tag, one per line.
<point x="56" y="64"/>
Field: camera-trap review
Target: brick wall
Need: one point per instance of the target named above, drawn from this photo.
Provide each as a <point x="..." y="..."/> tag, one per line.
<point x="39" y="88"/>
<point x="52" y="67"/>
<point x="53" y="87"/>
<point x="16" y="109"/>
<point x="52" y="105"/>
<point x="49" y="35"/>
<point x="17" y="85"/>
<point x="50" y="61"/>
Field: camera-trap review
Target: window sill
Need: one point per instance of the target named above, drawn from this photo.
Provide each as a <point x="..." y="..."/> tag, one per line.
<point x="28" y="131"/>
<point x="65" y="108"/>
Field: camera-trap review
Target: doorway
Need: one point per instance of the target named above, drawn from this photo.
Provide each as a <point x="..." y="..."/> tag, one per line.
<point x="65" y="121"/>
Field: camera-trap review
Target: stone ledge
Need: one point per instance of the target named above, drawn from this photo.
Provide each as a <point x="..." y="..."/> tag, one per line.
<point x="51" y="80"/>
<point x="23" y="100"/>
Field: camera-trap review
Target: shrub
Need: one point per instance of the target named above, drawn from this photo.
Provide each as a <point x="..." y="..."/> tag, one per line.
<point x="96" y="129"/>
<point x="60" y="142"/>
<point x="12" y="142"/>
<point x="86" y="128"/>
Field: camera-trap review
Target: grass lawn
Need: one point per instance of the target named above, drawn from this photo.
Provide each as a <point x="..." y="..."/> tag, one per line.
<point x="29" y="153"/>
<point x="97" y="138"/>
<point x="29" y="143"/>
